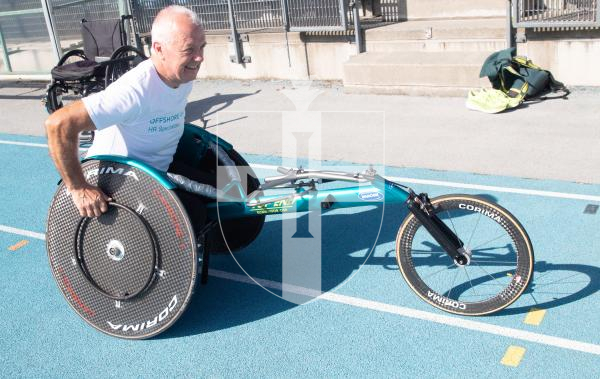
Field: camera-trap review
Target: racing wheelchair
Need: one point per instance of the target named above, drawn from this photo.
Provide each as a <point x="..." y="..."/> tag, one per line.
<point x="131" y="272"/>
<point x="104" y="58"/>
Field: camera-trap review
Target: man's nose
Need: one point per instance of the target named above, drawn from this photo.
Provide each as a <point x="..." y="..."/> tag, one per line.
<point x="198" y="57"/>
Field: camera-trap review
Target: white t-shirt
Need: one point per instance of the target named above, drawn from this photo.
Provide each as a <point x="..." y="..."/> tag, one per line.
<point x="138" y="116"/>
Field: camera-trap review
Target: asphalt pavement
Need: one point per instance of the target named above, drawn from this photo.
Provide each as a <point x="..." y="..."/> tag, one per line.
<point x="553" y="139"/>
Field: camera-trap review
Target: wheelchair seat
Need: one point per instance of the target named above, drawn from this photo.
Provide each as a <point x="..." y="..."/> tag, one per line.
<point x="82" y="70"/>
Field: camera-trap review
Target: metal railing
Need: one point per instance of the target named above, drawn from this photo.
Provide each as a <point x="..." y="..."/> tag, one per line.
<point x="21" y="20"/>
<point x="59" y="21"/>
<point x="317" y="15"/>
<point x="393" y="10"/>
<point x="293" y="15"/>
<point x="24" y="33"/>
<point x="250" y="14"/>
<point x="556" y="13"/>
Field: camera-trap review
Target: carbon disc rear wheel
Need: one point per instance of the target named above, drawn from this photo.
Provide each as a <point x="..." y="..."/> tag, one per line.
<point x="500" y="257"/>
<point x="129" y="273"/>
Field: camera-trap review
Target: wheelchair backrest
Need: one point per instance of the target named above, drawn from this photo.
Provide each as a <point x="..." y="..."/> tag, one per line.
<point x="101" y="38"/>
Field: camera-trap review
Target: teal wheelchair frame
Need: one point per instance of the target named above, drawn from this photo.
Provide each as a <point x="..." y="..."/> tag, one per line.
<point x="234" y="203"/>
<point x="460" y="253"/>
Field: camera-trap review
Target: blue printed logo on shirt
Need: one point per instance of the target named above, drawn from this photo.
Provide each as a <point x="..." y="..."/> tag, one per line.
<point x="165" y="123"/>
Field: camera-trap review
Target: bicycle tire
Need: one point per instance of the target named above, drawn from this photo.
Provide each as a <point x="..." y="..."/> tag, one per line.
<point x="433" y="275"/>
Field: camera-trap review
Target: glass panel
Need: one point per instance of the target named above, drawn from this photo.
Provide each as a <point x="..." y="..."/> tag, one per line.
<point x="26" y="38"/>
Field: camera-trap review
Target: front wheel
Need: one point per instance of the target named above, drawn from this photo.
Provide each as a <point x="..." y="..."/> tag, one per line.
<point x="500" y="257"/>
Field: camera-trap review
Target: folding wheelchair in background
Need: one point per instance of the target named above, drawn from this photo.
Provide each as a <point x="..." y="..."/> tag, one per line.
<point x="104" y="58"/>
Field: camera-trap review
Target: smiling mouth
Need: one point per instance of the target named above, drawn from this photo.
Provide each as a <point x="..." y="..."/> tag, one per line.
<point x="193" y="67"/>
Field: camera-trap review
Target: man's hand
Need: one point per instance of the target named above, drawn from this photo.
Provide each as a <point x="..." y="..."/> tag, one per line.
<point x="90" y="200"/>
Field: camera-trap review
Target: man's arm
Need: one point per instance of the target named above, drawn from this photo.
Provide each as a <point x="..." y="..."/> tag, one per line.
<point x="63" y="128"/>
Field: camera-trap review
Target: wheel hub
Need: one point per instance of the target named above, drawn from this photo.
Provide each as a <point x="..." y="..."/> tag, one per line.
<point x="465" y="257"/>
<point x="115" y="250"/>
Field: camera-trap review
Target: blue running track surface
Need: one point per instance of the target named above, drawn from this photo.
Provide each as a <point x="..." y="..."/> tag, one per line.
<point x="368" y="323"/>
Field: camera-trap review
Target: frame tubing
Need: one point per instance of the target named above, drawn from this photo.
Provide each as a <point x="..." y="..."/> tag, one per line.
<point x="309" y="201"/>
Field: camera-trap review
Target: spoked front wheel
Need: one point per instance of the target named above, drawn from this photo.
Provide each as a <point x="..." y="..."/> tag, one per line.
<point x="499" y="265"/>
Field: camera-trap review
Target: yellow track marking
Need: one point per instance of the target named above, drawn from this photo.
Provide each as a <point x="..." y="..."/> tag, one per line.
<point x="535" y="316"/>
<point x="513" y="356"/>
<point x="18" y="245"/>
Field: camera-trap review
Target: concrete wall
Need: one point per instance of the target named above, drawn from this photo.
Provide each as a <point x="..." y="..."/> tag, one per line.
<point x="431" y="9"/>
<point x="310" y="57"/>
<point x="571" y="56"/>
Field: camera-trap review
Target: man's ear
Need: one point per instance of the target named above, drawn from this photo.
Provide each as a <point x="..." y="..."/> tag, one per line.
<point x="157" y="48"/>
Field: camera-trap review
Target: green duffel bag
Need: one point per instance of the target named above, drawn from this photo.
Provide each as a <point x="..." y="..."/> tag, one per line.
<point x="519" y="77"/>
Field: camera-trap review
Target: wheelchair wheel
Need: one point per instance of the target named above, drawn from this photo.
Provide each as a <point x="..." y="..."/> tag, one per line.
<point x="500" y="264"/>
<point x="53" y="100"/>
<point x="129" y="273"/>
<point x="122" y="60"/>
<point x="56" y="89"/>
<point x="72" y="56"/>
<point x="194" y="155"/>
<point x="234" y="235"/>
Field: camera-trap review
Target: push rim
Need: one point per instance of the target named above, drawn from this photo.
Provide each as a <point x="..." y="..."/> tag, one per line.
<point x="117" y="254"/>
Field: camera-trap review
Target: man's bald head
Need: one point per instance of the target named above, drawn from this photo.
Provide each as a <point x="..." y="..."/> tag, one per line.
<point x="178" y="42"/>
<point x="167" y="22"/>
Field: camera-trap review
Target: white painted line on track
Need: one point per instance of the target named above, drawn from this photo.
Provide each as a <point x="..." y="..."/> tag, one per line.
<point x="23" y="144"/>
<point x="522" y="191"/>
<point x="420" y="315"/>
<point x="440" y="183"/>
<point x="29" y="144"/>
<point x="21" y="232"/>
<point x="388" y="308"/>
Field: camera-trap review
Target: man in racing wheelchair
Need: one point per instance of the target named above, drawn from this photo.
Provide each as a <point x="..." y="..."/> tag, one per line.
<point x="141" y="115"/>
<point x="127" y="264"/>
<point x="128" y="268"/>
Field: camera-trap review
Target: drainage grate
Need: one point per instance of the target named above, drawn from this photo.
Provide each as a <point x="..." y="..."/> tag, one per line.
<point x="591" y="209"/>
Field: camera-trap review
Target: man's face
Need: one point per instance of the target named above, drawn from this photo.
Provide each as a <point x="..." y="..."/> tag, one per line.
<point x="183" y="55"/>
